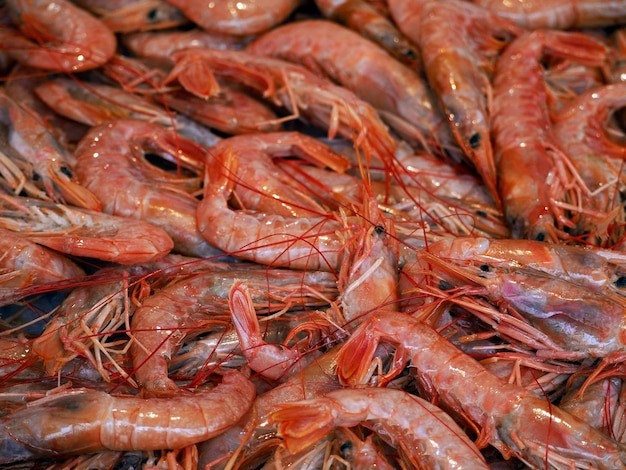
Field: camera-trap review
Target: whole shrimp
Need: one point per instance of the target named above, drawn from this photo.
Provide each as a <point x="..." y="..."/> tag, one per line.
<point x="237" y="17"/>
<point x="458" y="61"/>
<point x="267" y="238"/>
<point x="84" y="421"/>
<point x="36" y="148"/>
<point x="558" y="14"/>
<point x="510" y="418"/>
<point x="113" y="155"/>
<point x="360" y="16"/>
<point x="388" y="85"/>
<point x="57" y="35"/>
<point x="80" y="232"/>
<point x="579" y="129"/>
<point x="534" y="174"/>
<point x="422" y="433"/>
<point x="304" y="94"/>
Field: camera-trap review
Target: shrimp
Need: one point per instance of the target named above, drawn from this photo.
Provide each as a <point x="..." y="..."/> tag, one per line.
<point x="534" y="174"/>
<point x="360" y="16"/>
<point x="24" y="265"/>
<point x="579" y="131"/>
<point x="136" y="15"/>
<point x="510" y="418"/>
<point x="374" y="76"/>
<point x="238" y="18"/>
<point x="294" y="87"/>
<point x="65" y="38"/>
<point x="267" y="238"/>
<point x="113" y="155"/>
<point x="198" y="302"/>
<point x="85" y="233"/>
<point x="458" y="61"/>
<point x="558" y="14"/>
<point x="423" y="433"/>
<point x="597" y="406"/>
<point x="35" y="146"/>
<point x="84" y="421"/>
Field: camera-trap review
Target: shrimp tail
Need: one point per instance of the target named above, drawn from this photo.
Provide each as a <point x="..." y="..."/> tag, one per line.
<point x="301" y="425"/>
<point x="195" y="76"/>
<point x="580" y="47"/>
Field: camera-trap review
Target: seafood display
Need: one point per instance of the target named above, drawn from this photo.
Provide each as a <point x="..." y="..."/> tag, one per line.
<point x="312" y="234"/>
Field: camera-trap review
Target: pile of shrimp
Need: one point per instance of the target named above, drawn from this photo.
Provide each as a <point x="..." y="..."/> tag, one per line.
<point x="312" y="234"/>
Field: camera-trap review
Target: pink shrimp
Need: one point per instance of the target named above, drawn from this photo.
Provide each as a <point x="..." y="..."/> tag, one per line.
<point x="80" y="232"/>
<point x="360" y="16"/>
<point x="86" y="421"/>
<point x="558" y="14"/>
<point x="237" y="17"/>
<point x="65" y="37"/>
<point x="34" y="146"/>
<point x="374" y="76"/>
<point x="267" y="238"/>
<point x="24" y="265"/>
<point x="534" y="174"/>
<point x="294" y="87"/>
<point x="112" y="155"/>
<point x="457" y="61"/>
<point x="579" y="129"/>
<point x="423" y="433"/>
<point x="511" y="419"/>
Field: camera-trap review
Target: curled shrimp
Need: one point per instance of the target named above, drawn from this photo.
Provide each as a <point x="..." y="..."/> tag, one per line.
<point x="423" y="433"/>
<point x="113" y="155"/>
<point x="85" y="233"/>
<point x="267" y="238"/>
<point x="510" y="418"/>
<point x="558" y="14"/>
<point x="534" y="174"/>
<point x="237" y="17"/>
<point x="86" y="421"/>
<point x="57" y="35"/>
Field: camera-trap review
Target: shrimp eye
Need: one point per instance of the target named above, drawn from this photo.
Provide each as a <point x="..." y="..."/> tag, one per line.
<point x="153" y="13"/>
<point x="484" y="268"/>
<point x="66" y="171"/>
<point x="379" y="229"/>
<point x="445" y="285"/>
<point x="621" y="281"/>
<point x="540" y="237"/>
<point x="474" y="140"/>
<point x="345" y="448"/>
<point x="481" y="213"/>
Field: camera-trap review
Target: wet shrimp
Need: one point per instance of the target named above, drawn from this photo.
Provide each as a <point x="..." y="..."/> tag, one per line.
<point x="113" y="155"/>
<point x="83" y="421"/>
<point x="512" y="420"/>
<point x="388" y="85"/>
<point x="237" y="18"/>
<point x="534" y="174"/>
<point x="423" y="433"/>
<point x="80" y="232"/>
<point x="73" y="39"/>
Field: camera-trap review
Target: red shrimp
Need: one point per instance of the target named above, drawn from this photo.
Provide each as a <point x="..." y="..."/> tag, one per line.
<point x="80" y="232"/>
<point x="424" y="434"/>
<point x="510" y="418"/>
<point x="368" y="71"/>
<point x="534" y="174"/>
<point x="360" y="16"/>
<point x="267" y="238"/>
<point x="294" y="87"/>
<point x="558" y="14"/>
<point x="111" y="162"/>
<point x="34" y="146"/>
<point x="24" y="264"/>
<point x="237" y="17"/>
<point x="579" y="129"/>
<point x="458" y="61"/>
<point x="84" y="421"/>
<point x="57" y="35"/>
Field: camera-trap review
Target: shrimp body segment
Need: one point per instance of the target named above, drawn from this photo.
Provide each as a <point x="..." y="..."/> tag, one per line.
<point x="425" y="434"/>
<point x="91" y="421"/>
<point x="510" y="418"/>
<point x="73" y="39"/>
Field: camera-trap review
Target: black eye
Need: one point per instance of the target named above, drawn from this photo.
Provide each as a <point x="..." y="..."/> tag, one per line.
<point x="474" y="140"/>
<point x="379" y="229"/>
<point x="481" y="213"/>
<point x="445" y="285"/>
<point x="345" y="448"/>
<point x="540" y="237"/>
<point x="152" y="14"/>
<point x="621" y="281"/>
<point x="484" y="267"/>
<point x="66" y="171"/>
